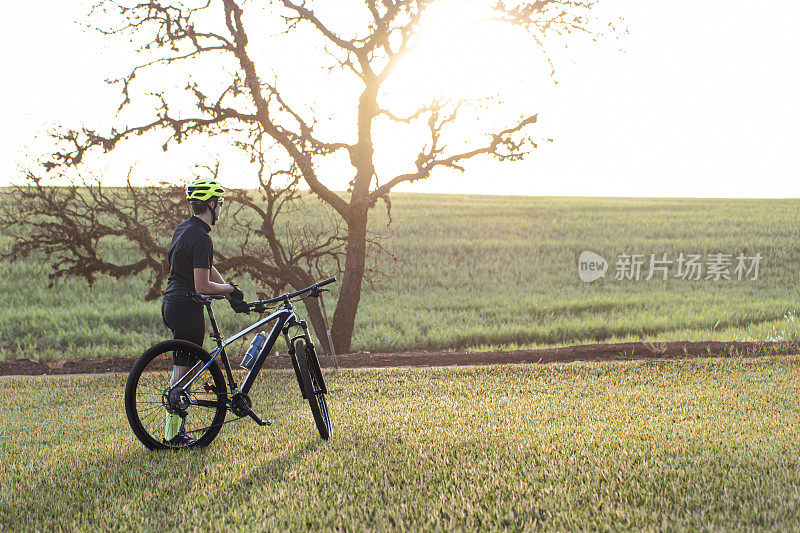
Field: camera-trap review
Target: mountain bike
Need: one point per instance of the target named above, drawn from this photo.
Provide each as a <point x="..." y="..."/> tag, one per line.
<point x="202" y="397"/>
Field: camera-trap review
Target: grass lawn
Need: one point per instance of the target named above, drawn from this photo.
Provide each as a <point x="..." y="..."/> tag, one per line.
<point x="703" y="444"/>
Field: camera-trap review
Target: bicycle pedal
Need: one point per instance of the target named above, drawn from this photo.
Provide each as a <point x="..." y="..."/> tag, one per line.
<point x="258" y="420"/>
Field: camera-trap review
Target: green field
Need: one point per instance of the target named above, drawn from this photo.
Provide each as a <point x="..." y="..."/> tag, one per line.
<point x="481" y="272"/>
<point x="700" y="445"/>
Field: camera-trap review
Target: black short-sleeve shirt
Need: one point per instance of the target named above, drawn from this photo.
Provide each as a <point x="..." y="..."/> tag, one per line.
<point x="191" y="248"/>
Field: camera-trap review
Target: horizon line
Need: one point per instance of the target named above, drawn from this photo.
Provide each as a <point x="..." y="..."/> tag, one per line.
<point x="577" y="196"/>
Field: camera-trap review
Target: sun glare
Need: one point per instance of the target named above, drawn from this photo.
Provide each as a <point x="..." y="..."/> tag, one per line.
<point x="459" y="53"/>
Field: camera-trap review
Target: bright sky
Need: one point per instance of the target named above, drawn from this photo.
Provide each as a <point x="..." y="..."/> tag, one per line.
<point x="702" y="102"/>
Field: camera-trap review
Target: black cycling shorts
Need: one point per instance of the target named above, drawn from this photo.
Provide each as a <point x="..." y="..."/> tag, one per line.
<point x="187" y="323"/>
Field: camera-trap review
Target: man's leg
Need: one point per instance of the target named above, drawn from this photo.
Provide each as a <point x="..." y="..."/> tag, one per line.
<point x="174" y="422"/>
<point x="178" y="371"/>
<point x="187" y="323"/>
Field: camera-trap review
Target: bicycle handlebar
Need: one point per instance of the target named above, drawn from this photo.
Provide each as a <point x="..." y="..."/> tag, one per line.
<point x="296" y="293"/>
<point x="283" y="297"/>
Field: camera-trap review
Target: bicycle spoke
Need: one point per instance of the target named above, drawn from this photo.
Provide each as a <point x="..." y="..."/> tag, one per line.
<point x="150" y="408"/>
<point x="150" y="402"/>
<point x="159" y="389"/>
<point x="150" y="416"/>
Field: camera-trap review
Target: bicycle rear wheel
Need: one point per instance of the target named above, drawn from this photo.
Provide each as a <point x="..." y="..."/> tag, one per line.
<point x="147" y="401"/>
<point x="312" y="389"/>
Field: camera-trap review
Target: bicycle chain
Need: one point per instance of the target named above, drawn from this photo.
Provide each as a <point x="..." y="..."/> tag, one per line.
<point x="215" y="425"/>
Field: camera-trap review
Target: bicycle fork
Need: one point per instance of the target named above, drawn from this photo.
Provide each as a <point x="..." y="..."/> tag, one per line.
<point x="290" y="341"/>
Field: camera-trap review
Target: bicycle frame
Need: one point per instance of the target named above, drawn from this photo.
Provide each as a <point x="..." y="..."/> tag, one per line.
<point x="285" y="318"/>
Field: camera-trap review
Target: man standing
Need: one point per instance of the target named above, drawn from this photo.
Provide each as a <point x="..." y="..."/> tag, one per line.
<point x="191" y="270"/>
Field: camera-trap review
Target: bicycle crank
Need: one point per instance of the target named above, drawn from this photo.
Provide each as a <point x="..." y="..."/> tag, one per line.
<point x="241" y="407"/>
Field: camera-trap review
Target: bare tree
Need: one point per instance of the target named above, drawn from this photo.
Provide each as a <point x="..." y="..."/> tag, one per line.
<point x="71" y="225"/>
<point x="252" y="109"/>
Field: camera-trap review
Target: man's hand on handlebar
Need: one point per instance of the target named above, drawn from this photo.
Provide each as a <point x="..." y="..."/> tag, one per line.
<point x="239" y="306"/>
<point x="236" y="299"/>
<point x="236" y="294"/>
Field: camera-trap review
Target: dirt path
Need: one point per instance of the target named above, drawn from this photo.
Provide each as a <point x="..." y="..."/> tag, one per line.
<point x="583" y="352"/>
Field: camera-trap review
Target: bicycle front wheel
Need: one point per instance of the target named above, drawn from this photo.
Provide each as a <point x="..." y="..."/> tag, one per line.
<point x="147" y="397"/>
<point x="312" y="389"/>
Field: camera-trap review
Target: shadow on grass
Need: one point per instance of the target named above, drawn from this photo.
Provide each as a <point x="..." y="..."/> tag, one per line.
<point x="257" y="476"/>
<point x="135" y="488"/>
<point x="390" y="481"/>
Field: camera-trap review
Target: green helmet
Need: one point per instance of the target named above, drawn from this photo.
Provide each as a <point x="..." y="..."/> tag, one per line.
<point x="204" y="189"/>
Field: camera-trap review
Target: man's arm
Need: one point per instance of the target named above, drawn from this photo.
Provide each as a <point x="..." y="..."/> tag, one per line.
<point x="204" y="285"/>
<point x="216" y="277"/>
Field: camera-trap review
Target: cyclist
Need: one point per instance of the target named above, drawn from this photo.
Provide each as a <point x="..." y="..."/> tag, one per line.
<point x="191" y="269"/>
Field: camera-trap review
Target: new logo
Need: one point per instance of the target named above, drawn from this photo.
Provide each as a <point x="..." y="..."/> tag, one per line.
<point x="591" y="266"/>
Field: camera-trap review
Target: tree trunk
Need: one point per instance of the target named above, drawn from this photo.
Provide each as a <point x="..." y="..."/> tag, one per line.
<point x="355" y="253"/>
<point x="350" y="293"/>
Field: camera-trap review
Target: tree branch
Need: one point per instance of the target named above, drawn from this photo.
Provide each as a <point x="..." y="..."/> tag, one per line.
<point x="427" y="162"/>
<point x="252" y="80"/>
<point x="306" y="14"/>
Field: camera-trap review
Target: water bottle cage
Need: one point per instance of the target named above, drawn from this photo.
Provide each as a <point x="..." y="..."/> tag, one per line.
<point x="255" y="349"/>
